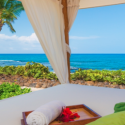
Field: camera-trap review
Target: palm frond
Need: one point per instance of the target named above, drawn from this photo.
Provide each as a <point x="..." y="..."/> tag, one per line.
<point x="17" y="9"/>
<point x="13" y="3"/>
<point x="5" y="2"/>
<point x="8" y="15"/>
<point x="10" y="26"/>
<point x="2" y="3"/>
<point x="9" y="11"/>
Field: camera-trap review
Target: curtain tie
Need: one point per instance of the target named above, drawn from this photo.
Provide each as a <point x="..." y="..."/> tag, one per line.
<point x="68" y="48"/>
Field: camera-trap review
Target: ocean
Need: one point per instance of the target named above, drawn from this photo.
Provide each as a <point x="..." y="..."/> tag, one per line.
<point x="83" y="61"/>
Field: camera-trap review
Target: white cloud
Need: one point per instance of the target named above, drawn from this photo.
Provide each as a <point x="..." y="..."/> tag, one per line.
<point x="83" y="38"/>
<point x="27" y="44"/>
<point x="20" y="44"/>
<point x="31" y="38"/>
<point x="11" y="48"/>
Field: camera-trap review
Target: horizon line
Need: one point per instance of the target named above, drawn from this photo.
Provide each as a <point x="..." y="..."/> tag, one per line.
<point x="71" y="53"/>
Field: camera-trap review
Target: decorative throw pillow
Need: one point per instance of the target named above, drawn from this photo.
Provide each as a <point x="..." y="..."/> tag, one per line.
<point x="119" y="107"/>
<point x="113" y="119"/>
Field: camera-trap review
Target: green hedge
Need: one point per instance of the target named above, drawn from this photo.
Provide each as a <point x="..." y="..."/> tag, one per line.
<point x="9" y="90"/>
<point x="114" y="77"/>
<point x="32" y="69"/>
<point x="38" y="70"/>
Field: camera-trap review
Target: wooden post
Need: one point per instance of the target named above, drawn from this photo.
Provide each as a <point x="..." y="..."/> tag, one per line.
<point x="65" y="12"/>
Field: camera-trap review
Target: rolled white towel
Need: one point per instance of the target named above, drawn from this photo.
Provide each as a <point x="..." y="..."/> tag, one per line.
<point x="45" y="114"/>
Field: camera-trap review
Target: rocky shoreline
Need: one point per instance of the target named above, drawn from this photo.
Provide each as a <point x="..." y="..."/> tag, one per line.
<point x="45" y="83"/>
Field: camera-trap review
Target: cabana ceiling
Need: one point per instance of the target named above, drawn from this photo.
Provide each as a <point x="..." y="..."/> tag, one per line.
<point x="99" y="3"/>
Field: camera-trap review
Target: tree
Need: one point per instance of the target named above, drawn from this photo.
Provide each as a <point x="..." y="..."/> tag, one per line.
<point x="9" y="11"/>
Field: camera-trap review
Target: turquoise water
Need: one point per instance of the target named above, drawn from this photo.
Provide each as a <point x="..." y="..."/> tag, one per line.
<point x="83" y="61"/>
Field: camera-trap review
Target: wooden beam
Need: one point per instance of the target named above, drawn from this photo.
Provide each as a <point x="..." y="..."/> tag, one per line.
<point x="64" y="3"/>
<point x="99" y="3"/>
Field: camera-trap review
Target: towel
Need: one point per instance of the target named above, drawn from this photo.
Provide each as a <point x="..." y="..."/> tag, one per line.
<point x="119" y="107"/>
<point x="113" y="119"/>
<point x="46" y="113"/>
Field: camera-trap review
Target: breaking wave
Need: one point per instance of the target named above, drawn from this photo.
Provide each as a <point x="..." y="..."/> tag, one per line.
<point x="9" y="61"/>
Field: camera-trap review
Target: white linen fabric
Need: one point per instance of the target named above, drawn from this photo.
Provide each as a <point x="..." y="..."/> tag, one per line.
<point x="72" y="7"/>
<point x="46" y="113"/>
<point x="47" y="19"/>
<point x="101" y="100"/>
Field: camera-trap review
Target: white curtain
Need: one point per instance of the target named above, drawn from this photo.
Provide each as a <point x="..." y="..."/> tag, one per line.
<point x="47" y="20"/>
<point x="73" y="7"/>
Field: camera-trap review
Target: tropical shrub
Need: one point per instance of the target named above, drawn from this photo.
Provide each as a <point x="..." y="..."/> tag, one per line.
<point x="39" y="71"/>
<point x="9" y="90"/>
<point x="114" y="77"/>
<point x="31" y="69"/>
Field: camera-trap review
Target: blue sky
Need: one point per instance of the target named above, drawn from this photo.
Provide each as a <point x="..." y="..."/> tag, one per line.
<point x="95" y="30"/>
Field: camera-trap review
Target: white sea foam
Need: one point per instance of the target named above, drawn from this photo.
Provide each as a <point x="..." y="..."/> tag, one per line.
<point x="9" y="61"/>
<point x="73" y="67"/>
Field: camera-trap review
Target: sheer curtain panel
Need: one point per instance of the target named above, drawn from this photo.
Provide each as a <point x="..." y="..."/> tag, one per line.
<point x="47" y="20"/>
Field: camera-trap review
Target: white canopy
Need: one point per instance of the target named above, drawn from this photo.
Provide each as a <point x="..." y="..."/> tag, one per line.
<point x="98" y="3"/>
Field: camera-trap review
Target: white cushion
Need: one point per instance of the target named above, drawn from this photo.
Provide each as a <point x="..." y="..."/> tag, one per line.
<point x="101" y="100"/>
